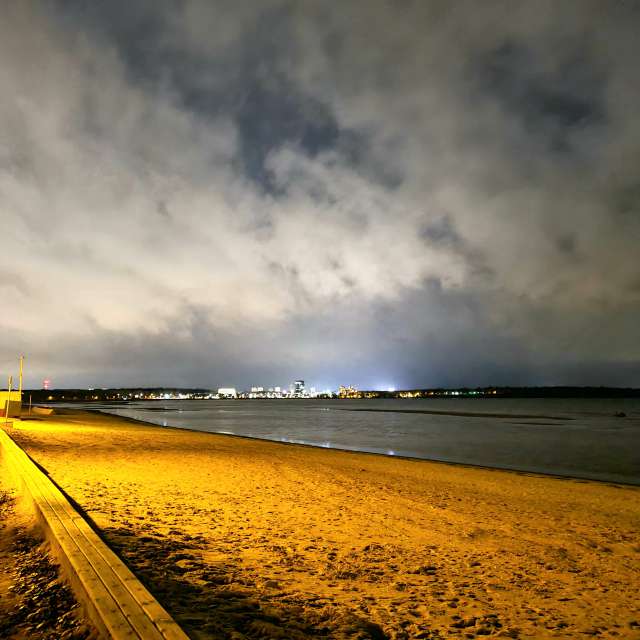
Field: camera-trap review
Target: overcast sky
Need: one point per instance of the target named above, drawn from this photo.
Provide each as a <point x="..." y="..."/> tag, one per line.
<point x="370" y="192"/>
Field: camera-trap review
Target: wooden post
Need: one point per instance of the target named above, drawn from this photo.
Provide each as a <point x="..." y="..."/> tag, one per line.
<point x="20" y="377"/>
<point x="6" y="411"/>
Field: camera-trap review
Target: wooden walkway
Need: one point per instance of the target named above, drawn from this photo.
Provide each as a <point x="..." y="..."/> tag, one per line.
<point x="114" y="599"/>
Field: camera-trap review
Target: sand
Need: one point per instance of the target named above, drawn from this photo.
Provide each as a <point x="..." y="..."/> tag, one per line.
<point x="242" y="538"/>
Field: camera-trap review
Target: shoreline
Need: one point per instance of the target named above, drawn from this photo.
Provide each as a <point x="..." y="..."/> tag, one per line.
<point x="242" y="538"/>
<point x="471" y="465"/>
<point x="465" y="414"/>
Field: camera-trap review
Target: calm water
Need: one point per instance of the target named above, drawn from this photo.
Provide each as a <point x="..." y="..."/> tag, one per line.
<point x="567" y="437"/>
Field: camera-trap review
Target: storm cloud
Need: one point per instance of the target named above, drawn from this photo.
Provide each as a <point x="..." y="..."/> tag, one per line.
<point x="381" y="193"/>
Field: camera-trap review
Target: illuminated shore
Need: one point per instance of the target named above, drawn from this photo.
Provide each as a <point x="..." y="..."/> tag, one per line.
<point x="246" y="538"/>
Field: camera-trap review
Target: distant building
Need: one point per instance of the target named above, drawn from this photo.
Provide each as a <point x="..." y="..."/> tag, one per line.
<point x="298" y="388"/>
<point x="227" y="392"/>
<point x="348" y="392"/>
<point x="14" y="402"/>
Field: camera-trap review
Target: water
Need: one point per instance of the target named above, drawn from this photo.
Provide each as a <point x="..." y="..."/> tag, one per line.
<point x="573" y="437"/>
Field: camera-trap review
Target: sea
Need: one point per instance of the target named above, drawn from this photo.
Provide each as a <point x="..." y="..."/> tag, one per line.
<point x="580" y="438"/>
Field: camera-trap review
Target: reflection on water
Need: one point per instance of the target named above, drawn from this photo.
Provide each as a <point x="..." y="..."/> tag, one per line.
<point x="574" y="437"/>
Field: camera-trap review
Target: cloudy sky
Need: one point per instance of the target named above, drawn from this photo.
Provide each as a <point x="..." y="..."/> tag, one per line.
<point x="381" y="193"/>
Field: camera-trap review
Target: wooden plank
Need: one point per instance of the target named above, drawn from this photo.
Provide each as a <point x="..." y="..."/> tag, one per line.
<point x="95" y="594"/>
<point x="63" y="515"/>
<point x="120" y="606"/>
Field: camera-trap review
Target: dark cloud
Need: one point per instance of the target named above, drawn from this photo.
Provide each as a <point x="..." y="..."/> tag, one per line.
<point x="567" y="95"/>
<point x="395" y="194"/>
<point x="567" y="244"/>
<point x="270" y="116"/>
<point x="441" y="231"/>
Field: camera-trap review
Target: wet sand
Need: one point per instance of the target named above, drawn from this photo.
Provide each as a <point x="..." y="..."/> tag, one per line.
<point x="242" y="538"/>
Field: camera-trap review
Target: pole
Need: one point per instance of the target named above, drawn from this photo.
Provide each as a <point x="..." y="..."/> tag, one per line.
<point x="20" y="377"/>
<point x="29" y="404"/>
<point x="6" y="411"/>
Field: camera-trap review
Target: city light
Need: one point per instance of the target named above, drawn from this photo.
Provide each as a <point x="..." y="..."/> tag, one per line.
<point x="296" y="390"/>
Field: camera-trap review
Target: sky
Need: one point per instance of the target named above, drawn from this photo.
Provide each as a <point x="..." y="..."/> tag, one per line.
<point x="377" y="193"/>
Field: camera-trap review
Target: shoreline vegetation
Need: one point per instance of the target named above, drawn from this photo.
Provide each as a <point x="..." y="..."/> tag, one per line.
<point x="245" y="538"/>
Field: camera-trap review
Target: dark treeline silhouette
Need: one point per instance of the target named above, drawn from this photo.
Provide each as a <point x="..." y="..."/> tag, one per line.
<point x="111" y="394"/>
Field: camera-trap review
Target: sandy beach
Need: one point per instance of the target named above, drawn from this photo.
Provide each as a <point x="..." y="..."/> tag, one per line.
<point x="241" y="538"/>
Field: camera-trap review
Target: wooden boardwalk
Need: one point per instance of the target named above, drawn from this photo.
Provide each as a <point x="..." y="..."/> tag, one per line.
<point x="114" y="599"/>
